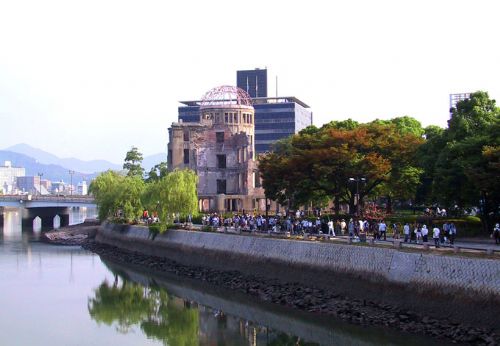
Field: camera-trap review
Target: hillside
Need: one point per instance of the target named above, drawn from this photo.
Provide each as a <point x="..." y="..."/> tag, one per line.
<point x="50" y="171"/>
<point x="75" y="164"/>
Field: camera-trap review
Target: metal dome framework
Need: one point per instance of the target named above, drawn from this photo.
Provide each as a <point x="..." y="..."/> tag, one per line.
<point x="226" y="96"/>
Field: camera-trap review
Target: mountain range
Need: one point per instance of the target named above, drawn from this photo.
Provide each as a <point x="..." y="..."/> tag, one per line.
<point x="36" y="161"/>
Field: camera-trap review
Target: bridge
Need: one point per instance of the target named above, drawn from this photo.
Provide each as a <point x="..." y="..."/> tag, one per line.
<point x="47" y="201"/>
<point x="44" y="207"/>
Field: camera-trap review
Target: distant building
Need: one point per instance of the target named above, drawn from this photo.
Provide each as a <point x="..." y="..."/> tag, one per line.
<point x="275" y="117"/>
<point x="219" y="147"/>
<point x="31" y="184"/>
<point x="82" y="188"/>
<point x="254" y="82"/>
<point x="455" y="98"/>
<point x="47" y="184"/>
<point x="8" y="177"/>
<point x="58" y="187"/>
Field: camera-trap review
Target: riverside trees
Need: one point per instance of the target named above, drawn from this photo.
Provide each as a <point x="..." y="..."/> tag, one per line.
<point x="462" y="162"/>
<point x="317" y="164"/>
<point x="128" y="195"/>
<point x="457" y="166"/>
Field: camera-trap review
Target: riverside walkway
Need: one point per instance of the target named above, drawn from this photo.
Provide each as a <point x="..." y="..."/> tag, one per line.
<point x="467" y="246"/>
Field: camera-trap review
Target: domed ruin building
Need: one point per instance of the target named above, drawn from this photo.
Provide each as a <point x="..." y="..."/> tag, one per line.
<point x="220" y="149"/>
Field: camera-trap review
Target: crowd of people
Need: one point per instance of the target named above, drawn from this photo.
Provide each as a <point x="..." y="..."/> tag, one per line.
<point x="354" y="228"/>
<point x="300" y="224"/>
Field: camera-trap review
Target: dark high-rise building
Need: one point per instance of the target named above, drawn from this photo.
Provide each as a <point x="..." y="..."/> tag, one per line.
<point x="254" y="82"/>
<point x="275" y="117"/>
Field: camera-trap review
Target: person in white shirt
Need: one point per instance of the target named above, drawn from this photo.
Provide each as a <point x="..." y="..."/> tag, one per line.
<point x="435" y="235"/>
<point x="425" y="233"/>
<point x="331" y="231"/>
<point x="382" y="228"/>
<point x="406" y="232"/>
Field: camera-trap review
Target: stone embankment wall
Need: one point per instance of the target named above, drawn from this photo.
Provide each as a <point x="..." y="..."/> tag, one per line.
<point x="435" y="284"/>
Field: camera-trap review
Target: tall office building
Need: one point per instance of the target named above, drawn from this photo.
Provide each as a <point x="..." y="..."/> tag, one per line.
<point x="275" y="117"/>
<point x="254" y="82"/>
<point x="455" y="98"/>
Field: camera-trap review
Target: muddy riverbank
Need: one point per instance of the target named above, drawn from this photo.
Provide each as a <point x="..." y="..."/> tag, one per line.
<point x="72" y="235"/>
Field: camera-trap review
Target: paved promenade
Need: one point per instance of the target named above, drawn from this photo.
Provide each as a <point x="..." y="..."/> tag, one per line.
<point x="467" y="245"/>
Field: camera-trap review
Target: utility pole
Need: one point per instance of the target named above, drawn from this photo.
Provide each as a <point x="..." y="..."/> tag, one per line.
<point x="71" y="172"/>
<point x="356" y="197"/>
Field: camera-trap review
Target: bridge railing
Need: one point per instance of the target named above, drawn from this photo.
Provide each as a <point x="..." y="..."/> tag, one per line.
<point x="48" y="198"/>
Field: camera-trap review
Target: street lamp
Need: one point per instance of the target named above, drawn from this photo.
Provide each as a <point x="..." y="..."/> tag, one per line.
<point x="71" y="172"/>
<point x="40" y="175"/>
<point x="356" y="197"/>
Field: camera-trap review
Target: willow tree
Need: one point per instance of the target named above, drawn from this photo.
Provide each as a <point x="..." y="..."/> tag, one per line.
<point x="116" y="194"/>
<point x="105" y="189"/>
<point x="174" y="194"/>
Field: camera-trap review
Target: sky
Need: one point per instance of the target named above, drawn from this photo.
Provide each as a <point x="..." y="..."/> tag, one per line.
<point x="90" y="79"/>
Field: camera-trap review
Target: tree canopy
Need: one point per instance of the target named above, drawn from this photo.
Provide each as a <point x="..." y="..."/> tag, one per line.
<point x="133" y="161"/>
<point x="115" y="193"/>
<point x="317" y="164"/>
<point x="465" y="173"/>
<point x="126" y="196"/>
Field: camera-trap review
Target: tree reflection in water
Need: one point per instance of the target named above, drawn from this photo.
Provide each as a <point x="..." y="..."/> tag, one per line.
<point x="174" y="321"/>
<point x="159" y="315"/>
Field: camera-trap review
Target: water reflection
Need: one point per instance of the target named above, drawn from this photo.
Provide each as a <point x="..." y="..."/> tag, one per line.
<point x="12" y="224"/>
<point x="176" y="321"/>
<point x="12" y="221"/>
<point x="158" y="315"/>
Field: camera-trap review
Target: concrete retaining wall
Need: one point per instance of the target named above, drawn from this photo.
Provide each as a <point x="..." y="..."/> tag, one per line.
<point x="459" y="286"/>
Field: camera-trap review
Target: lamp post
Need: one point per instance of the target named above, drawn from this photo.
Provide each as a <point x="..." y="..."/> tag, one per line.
<point x="40" y="175"/>
<point x="356" y="197"/>
<point x="71" y="172"/>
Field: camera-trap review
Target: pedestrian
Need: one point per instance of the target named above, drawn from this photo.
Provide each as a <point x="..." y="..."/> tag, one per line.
<point x="425" y="234"/>
<point x="435" y="235"/>
<point x="395" y="231"/>
<point x="453" y="233"/>
<point x="418" y="234"/>
<point x="350" y="228"/>
<point x="331" y="231"/>
<point x="337" y="227"/>
<point x="446" y="229"/>
<point x="343" y="226"/>
<point x="406" y="232"/>
<point x="382" y="228"/>
<point x="496" y="233"/>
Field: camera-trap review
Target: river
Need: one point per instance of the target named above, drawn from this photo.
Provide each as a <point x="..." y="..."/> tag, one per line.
<point x="64" y="295"/>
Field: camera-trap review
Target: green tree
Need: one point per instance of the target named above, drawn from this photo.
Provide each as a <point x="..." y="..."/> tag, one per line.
<point x="426" y="159"/>
<point x="157" y="172"/>
<point x="105" y="188"/>
<point x="132" y="164"/>
<point x="465" y="174"/>
<point x="404" y="178"/>
<point x="115" y="194"/>
<point x="348" y="124"/>
<point x="404" y="125"/>
<point x="174" y="194"/>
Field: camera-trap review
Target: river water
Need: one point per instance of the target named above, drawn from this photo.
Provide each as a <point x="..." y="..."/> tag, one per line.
<point x="64" y="295"/>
